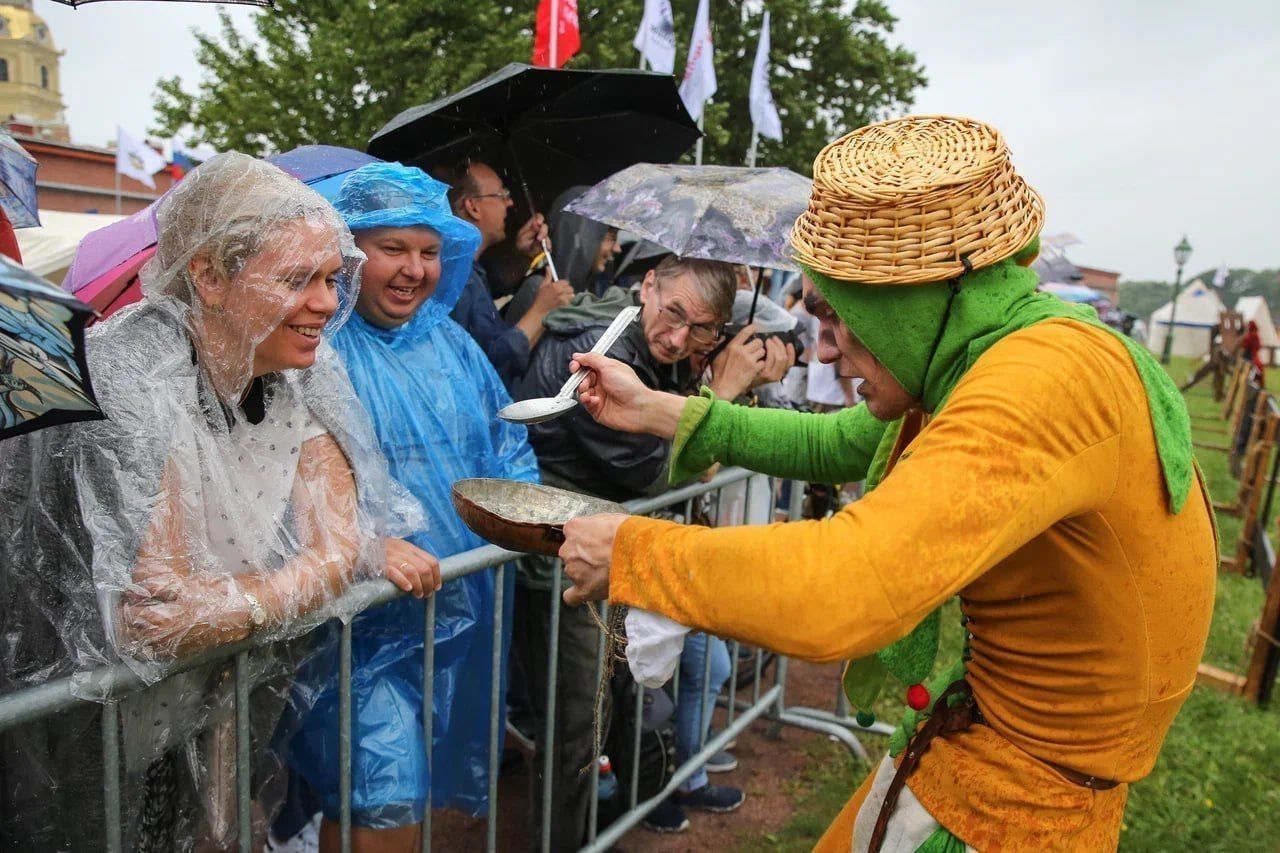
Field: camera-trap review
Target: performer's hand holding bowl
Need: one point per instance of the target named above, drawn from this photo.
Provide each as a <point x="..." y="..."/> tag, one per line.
<point x="588" y="553"/>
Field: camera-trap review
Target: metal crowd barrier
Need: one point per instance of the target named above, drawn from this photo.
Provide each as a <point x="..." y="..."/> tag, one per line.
<point x="118" y="681"/>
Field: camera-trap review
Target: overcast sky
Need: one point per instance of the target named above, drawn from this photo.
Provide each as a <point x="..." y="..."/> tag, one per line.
<point x="1137" y="120"/>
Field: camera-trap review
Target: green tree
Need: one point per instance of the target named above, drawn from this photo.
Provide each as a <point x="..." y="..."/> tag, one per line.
<point x="1143" y="297"/>
<point x="335" y="71"/>
<point x="833" y="69"/>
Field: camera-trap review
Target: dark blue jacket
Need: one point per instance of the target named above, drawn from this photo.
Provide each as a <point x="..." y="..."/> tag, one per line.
<point x="506" y="347"/>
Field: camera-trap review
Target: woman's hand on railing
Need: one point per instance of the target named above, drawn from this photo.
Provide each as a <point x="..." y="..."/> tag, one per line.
<point x="615" y="397"/>
<point x="412" y="569"/>
<point x="588" y="553"/>
<point x="174" y="615"/>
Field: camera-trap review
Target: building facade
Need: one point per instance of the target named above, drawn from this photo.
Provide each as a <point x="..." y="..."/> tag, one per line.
<point x="30" y="84"/>
<point x="72" y="178"/>
<point x="82" y="178"/>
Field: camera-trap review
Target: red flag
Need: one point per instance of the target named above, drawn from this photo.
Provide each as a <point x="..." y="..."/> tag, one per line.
<point x="567" y="41"/>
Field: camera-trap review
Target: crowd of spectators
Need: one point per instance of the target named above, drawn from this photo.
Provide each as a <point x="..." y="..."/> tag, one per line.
<point x="286" y="412"/>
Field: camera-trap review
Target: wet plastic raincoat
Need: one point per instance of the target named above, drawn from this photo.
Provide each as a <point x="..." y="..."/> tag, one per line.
<point x="198" y="513"/>
<point x="433" y="397"/>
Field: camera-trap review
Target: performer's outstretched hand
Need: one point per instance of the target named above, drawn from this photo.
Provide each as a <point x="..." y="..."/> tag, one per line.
<point x="615" y="397"/>
<point x="588" y="553"/>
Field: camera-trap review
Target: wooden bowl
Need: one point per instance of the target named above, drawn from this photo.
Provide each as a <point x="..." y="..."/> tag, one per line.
<point x="523" y="516"/>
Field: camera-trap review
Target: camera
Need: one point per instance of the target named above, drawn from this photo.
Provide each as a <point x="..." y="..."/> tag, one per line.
<point x="790" y="336"/>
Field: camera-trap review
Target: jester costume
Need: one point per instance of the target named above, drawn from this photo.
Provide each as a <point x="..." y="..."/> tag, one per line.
<point x="1047" y="480"/>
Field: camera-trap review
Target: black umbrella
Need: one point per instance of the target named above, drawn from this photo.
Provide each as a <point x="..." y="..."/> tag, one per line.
<point x="546" y="128"/>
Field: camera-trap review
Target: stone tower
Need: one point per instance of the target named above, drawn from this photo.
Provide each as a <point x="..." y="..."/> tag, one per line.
<point x="30" y="84"/>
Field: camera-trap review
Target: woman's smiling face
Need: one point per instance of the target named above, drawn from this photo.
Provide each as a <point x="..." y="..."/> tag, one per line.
<point x="291" y="282"/>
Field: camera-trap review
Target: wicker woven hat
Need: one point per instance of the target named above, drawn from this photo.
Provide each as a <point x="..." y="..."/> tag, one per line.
<point x="902" y="201"/>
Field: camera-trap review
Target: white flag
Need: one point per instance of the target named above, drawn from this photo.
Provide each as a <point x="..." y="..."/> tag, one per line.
<point x="764" y="115"/>
<point x="137" y="159"/>
<point x="1220" y="277"/>
<point x="699" y="72"/>
<point x="656" y="38"/>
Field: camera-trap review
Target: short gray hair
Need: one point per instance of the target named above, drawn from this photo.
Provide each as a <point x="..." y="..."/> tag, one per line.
<point x="714" y="281"/>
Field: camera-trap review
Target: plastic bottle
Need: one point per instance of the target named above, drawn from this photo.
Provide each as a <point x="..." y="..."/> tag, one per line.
<point x="608" y="784"/>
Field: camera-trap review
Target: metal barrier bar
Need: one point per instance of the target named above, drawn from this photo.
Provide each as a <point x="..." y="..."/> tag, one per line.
<point x="733" y="678"/>
<point x="111" y="774"/>
<point x="635" y="751"/>
<point x="428" y="710"/>
<point x="344" y="736"/>
<point x="623" y="824"/>
<point x="112" y="682"/>
<point x="118" y="680"/>
<point x="496" y="700"/>
<point x="702" y="698"/>
<point x="243" y="774"/>
<point x="549" y="725"/>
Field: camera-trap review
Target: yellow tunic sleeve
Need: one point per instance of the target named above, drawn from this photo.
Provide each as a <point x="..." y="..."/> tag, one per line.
<point x="1027" y="438"/>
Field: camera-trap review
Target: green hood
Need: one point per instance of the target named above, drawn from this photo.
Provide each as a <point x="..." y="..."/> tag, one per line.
<point x="900" y="325"/>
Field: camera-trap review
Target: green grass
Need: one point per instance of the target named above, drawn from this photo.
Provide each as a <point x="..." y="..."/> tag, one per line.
<point x="1216" y="785"/>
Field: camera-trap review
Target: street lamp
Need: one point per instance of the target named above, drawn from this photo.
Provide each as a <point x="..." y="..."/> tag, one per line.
<point x="1181" y="253"/>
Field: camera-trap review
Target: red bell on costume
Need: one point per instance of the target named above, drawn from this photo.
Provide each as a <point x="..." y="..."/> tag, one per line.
<point x="918" y="697"/>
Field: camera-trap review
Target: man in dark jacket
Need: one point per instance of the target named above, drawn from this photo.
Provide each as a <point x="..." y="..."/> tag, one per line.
<point x="685" y="304"/>
<point x="478" y="196"/>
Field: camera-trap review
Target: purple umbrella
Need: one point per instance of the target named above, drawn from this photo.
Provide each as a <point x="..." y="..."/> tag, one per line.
<point x="104" y="250"/>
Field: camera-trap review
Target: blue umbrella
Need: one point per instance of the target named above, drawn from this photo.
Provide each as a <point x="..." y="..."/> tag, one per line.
<point x="18" y="184"/>
<point x="44" y="379"/>
<point x="324" y="167"/>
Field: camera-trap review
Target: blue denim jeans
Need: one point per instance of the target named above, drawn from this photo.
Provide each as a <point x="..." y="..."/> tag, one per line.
<point x="693" y="718"/>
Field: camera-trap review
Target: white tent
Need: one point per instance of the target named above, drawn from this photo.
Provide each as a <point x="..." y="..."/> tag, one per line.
<point x="1199" y="310"/>
<point x="1255" y="308"/>
<point x="48" y="250"/>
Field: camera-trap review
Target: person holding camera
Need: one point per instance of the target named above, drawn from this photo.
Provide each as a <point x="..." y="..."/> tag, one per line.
<point x="686" y="303"/>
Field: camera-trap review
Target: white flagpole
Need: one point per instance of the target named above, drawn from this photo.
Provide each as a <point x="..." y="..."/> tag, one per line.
<point x="644" y="44"/>
<point x="555" y="7"/>
<point x="755" y="142"/>
<point x="697" y="152"/>
<point x="117" y="190"/>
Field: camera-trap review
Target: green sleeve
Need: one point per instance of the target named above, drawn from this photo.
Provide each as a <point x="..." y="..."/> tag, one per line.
<point x="834" y="448"/>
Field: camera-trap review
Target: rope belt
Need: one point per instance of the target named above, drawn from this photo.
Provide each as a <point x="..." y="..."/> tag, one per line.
<point x="946" y="719"/>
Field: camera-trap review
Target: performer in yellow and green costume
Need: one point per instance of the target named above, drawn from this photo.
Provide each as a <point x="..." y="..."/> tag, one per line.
<point x="1046" y="478"/>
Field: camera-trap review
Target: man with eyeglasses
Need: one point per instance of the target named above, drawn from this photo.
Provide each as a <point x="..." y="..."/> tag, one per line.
<point x="478" y="196"/>
<point x="685" y="304"/>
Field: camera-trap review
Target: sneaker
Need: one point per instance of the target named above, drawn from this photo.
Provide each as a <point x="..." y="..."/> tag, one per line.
<point x="668" y="817"/>
<point x="722" y="762"/>
<point x="712" y="798"/>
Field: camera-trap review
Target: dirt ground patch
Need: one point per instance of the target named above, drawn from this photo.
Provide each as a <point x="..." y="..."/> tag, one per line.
<point x="768" y="761"/>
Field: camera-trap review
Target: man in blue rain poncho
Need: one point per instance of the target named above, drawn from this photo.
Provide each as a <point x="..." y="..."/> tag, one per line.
<point x="433" y="398"/>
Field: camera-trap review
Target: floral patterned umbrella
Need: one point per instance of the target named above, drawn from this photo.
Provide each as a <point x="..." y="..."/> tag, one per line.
<point x="43" y="376"/>
<point x="723" y="213"/>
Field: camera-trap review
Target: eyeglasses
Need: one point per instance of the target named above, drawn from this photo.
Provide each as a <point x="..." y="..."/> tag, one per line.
<point x="505" y="195"/>
<point x="700" y="333"/>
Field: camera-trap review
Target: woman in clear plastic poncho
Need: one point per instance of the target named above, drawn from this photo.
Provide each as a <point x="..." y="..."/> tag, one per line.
<point x="433" y="398"/>
<point x="235" y="489"/>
